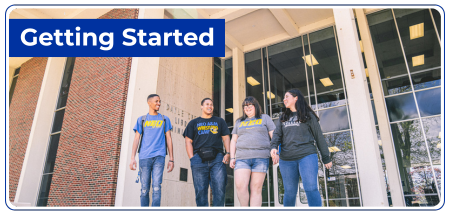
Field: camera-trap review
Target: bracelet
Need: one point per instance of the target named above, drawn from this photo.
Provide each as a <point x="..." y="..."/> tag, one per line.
<point x="171" y="161"/>
<point x="232" y="158"/>
<point x="227" y="153"/>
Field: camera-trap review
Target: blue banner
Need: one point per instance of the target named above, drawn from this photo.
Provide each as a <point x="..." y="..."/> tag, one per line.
<point x="116" y="37"/>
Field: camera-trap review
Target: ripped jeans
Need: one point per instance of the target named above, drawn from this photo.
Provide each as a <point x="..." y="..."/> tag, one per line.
<point x="153" y="167"/>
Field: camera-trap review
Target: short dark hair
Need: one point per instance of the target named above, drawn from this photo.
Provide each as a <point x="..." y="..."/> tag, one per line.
<point x="205" y="100"/>
<point x="151" y="96"/>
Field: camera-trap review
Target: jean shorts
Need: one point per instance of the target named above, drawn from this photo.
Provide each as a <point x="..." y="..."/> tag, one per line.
<point x="253" y="164"/>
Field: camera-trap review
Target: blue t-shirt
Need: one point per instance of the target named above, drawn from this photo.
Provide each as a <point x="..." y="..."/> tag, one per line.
<point x="154" y="140"/>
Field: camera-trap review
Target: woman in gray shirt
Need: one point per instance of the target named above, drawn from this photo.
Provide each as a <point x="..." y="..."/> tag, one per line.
<point x="250" y="151"/>
<point x="297" y="129"/>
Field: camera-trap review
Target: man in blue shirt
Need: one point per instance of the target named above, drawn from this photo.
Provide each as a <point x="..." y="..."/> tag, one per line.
<point x="153" y="150"/>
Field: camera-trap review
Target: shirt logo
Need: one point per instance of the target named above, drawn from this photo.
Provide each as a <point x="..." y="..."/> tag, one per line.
<point x="206" y="128"/>
<point x="153" y="123"/>
<point x="249" y="124"/>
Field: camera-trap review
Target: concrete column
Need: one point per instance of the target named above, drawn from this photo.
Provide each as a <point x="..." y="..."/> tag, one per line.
<point x="143" y="81"/>
<point x="238" y="93"/>
<point x="394" y="180"/>
<point x="373" y="190"/>
<point x="31" y="174"/>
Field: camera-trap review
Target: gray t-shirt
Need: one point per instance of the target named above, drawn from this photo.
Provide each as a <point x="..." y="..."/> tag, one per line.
<point x="253" y="137"/>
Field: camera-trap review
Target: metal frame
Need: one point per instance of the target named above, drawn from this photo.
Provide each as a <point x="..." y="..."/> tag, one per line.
<point x="415" y="101"/>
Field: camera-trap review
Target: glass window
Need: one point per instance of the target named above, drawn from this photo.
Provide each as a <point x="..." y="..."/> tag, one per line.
<point x="327" y="72"/>
<point x="11" y="90"/>
<point x="45" y="189"/>
<point x="280" y="186"/>
<point x="334" y="119"/>
<point x="229" y="92"/>
<point x="401" y="107"/>
<point x="254" y="76"/>
<point x="64" y="90"/>
<point x="426" y="79"/>
<point x="217" y="61"/>
<point x="287" y="71"/>
<point x="414" y="165"/>
<point x="51" y="153"/>
<point x="388" y="52"/>
<point x="437" y="20"/>
<point x="432" y="127"/>
<point x="421" y="45"/>
<point x="429" y="102"/>
<point x="309" y="73"/>
<point x="217" y="89"/>
<point x="58" y="121"/>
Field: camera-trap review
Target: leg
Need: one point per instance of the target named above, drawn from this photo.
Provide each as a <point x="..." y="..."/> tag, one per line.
<point x="145" y="171"/>
<point x="259" y="170"/>
<point x="242" y="172"/>
<point x="290" y="175"/>
<point x="218" y="175"/>
<point x="157" y="176"/>
<point x="200" y="176"/>
<point x="309" y="169"/>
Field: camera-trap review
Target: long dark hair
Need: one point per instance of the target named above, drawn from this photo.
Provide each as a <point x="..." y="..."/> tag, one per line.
<point x="303" y="109"/>
<point x="251" y="101"/>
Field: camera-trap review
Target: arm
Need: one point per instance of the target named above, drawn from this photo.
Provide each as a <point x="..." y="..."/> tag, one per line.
<point x="171" y="164"/>
<point x="277" y="136"/>
<point x="233" y="150"/>
<point x="189" y="147"/>
<point x="316" y="131"/>
<point x="271" y="134"/>
<point x="226" y="143"/>
<point x="133" y="151"/>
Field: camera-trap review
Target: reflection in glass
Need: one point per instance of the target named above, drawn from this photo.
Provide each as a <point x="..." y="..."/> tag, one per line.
<point x="432" y="127"/>
<point x="253" y="76"/>
<point x="51" y="154"/>
<point x="342" y="182"/>
<point x="414" y="164"/>
<point x="334" y="119"/>
<point x="396" y="85"/>
<point x="327" y="72"/>
<point x="386" y="44"/>
<point x="426" y="79"/>
<point x="330" y="99"/>
<point x="229" y="92"/>
<point x="65" y="84"/>
<point x="419" y="38"/>
<point x="401" y="107"/>
<point x="217" y="89"/>
<point x="429" y="102"/>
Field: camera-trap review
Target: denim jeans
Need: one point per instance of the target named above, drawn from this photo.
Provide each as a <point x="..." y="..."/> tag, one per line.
<point x="209" y="173"/>
<point x="308" y="168"/>
<point x="153" y="167"/>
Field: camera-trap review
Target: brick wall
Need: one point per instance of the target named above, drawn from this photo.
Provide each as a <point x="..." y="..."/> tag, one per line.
<point x="88" y="154"/>
<point x="21" y="114"/>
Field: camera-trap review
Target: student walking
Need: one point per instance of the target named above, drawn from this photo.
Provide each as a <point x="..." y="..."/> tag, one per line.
<point x="296" y="130"/>
<point x="156" y="132"/>
<point x="203" y="138"/>
<point x="250" y="152"/>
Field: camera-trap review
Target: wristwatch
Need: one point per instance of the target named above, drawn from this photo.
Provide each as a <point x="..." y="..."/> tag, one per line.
<point x="227" y="153"/>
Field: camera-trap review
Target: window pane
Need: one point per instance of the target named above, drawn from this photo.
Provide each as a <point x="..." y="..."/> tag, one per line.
<point x="217" y="90"/>
<point x="437" y="20"/>
<point x="427" y="79"/>
<point x="342" y="182"/>
<point x="327" y="71"/>
<point x="287" y="71"/>
<point x="11" y="90"/>
<point x="309" y="73"/>
<point x="254" y="76"/>
<point x="45" y="188"/>
<point x="429" y="102"/>
<point x="229" y="92"/>
<point x="51" y="153"/>
<point x="422" y="48"/>
<point x="388" y="51"/>
<point x="432" y="127"/>
<point x="65" y="84"/>
<point x="374" y="112"/>
<point x="396" y="85"/>
<point x="58" y="121"/>
<point x="331" y="99"/>
<point x="334" y="119"/>
<point x="401" y="107"/>
<point x="217" y="61"/>
<point x="16" y="72"/>
<point x="414" y="165"/>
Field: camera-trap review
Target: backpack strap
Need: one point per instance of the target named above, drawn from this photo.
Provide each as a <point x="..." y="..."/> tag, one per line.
<point x="164" y="132"/>
<point x="143" y="118"/>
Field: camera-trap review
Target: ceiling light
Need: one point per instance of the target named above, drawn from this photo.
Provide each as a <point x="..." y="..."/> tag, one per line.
<point x="367" y="72"/>
<point x="308" y="60"/>
<point x="361" y="45"/>
<point x="326" y="82"/>
<point x="229" y="110"/>
<point x="418" y="60"/>
<point x="346" y="167"/>
<point x="334" y="149"/>
<point x="416" y="31"/>
<point x="252" y="81"/>
<point x="272" y="96"/>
